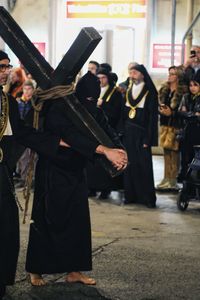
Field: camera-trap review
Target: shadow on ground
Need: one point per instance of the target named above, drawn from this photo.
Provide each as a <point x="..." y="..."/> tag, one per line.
<point x="56" y="291"/>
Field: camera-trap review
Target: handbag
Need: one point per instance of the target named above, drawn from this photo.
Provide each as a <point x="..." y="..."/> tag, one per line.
<point x="168" y="138"/>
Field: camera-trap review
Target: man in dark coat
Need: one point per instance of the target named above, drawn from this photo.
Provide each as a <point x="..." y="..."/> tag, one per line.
<point x="191" y="67"/>
<point x="141" y="121"/>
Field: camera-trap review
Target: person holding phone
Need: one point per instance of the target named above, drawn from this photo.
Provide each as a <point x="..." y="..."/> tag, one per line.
<point x="169" y="96"/>
<point x="192" y="65"/>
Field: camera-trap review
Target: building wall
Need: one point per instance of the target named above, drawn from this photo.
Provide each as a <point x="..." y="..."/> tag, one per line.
<point x="32" y="16"/>
<point x="123" y="40"/>
<point x="161" y="32"/>
<point x="163" y="20"/>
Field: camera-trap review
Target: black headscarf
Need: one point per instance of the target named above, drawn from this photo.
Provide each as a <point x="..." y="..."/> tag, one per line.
<point x="88" y="88"/>
<point x="147" y="79"/>
<point x="106" y="66"/>
<point x="3" y="55"/>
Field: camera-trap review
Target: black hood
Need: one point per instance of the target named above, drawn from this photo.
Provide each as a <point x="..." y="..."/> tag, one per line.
<point x="88" y="87"/>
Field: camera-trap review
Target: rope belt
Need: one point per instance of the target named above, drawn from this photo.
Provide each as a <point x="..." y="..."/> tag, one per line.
<point x="40" y="96"/>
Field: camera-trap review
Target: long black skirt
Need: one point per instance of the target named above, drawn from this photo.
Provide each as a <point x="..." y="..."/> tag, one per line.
<point x="99" y="179"/>
<point x="60" y="232"/>
<point x="9" y="230"/>
<point x="138" y="177"/>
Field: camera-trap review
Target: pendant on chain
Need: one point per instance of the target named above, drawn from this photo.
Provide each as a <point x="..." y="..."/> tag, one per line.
<point x="1" y="155"/>
<point x="132" y="113"/>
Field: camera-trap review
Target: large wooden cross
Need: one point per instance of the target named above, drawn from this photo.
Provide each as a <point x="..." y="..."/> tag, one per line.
<point x="46" y="77"/>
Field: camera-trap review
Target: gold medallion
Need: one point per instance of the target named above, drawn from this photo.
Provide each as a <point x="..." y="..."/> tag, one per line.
<point x="1" y="155"/>
<point x="132" y="113"/>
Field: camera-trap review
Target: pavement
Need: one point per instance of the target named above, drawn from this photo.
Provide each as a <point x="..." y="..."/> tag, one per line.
<point x="138" y="253"/>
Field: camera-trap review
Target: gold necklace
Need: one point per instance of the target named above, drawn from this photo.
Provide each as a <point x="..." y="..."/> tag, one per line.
<point x="109" y="96"/>
<point x="105" y="92"/>
<point x="3" y="119"/>
<point x="132" y="112"/>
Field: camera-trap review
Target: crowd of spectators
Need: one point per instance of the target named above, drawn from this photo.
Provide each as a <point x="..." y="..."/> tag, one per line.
<point x="177" y="105"/>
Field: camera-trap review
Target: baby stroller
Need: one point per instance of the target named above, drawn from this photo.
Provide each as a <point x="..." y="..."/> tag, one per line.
<point x="191" y="183"/>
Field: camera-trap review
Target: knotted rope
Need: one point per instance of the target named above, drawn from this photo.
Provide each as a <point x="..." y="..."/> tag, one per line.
<point x="38" y="100"/>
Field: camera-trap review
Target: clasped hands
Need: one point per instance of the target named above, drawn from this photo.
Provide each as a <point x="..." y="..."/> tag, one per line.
<point x="118" y="157"/>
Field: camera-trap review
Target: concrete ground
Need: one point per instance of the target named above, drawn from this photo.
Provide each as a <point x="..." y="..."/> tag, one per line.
<point x="138" y="253"/>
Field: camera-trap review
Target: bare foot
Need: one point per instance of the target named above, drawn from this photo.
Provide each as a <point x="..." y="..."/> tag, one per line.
<point x="79" y="277"/>
<point x="37" y="280"/>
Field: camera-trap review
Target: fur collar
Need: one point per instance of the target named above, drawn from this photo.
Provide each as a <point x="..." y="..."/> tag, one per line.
<point x="175" y="101"/>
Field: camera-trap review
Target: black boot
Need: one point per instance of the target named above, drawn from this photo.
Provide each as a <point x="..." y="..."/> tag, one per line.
<point x="151" y="205"/>
<point x="2" y="291"/>
<point x="92" y="193"/>
<point x="104" y="194"/>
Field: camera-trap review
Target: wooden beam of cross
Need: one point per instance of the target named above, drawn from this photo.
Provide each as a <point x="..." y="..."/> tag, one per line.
<point x="35" y="63"/>
<point x="65" y="73"/>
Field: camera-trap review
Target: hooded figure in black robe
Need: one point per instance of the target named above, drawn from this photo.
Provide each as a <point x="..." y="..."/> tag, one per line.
<point x="87" y="91"/>
<point x="110" y="99"/>
<point x="140" y="133"/>
<point x="60" y="231"/>
<point x="111" y="103"/>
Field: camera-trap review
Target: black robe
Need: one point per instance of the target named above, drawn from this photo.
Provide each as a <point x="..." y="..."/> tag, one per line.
<point x="60" y="233"/>
<point x="9" y="223"/>
<point x="98" y="178"/>
<point x="113" y="107"/>
<point x="138" y="177"/>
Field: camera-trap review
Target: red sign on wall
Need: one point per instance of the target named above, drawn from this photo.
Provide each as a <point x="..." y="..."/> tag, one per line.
<point x="106" y="9"/>
<point x="162" y="55"/>
<point x="41" y="47"/>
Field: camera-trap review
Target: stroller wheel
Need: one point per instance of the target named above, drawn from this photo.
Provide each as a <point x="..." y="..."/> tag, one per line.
<point x="182" y="201"/>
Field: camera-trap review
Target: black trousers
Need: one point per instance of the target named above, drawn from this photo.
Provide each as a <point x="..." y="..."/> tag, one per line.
<point x="9" y="231"/>
<point x="2" y="291"/>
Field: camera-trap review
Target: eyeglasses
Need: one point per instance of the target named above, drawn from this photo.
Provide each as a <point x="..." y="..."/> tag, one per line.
<point x="172" y="74"/>
<point x="4" y="67"/>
